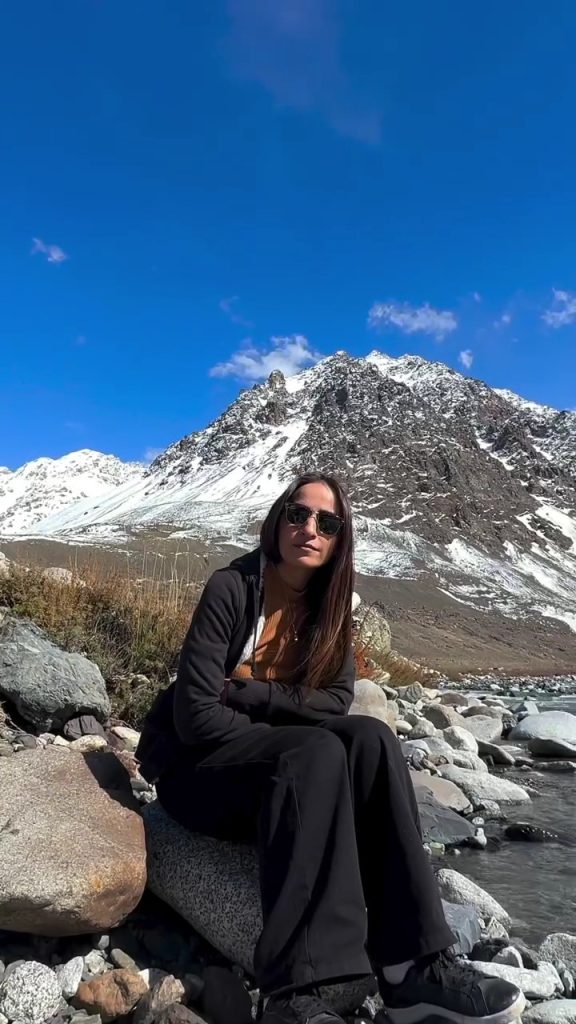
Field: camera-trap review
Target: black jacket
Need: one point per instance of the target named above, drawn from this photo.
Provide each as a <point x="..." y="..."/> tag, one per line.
<point x="198" y="709"/>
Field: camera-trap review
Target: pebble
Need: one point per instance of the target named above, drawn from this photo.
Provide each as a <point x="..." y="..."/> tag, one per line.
<point x="95" y="962"/>
<point x="509" y="955"/>
<point x="121" y="959"/>
<point x="87" y="744"/>
<point x="30" y="993"/>
<point x="70" y="975"/>
<point x="101" y="942"/>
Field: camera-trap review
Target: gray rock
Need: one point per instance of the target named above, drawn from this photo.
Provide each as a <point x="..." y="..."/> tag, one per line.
<point x="498" y="754"/>
<point x="6" y="749"/>
<point x="73" y="849"/>
<point x="484" y="728"/>
<point x="471" y="762"/>
<point x="422" y="730"/>
<point x="31" y="993"/>
<point x="525" y="708"/>
<point x="552" y="748"/>
<point x="458" y="889"/>
<point x="509" y="955"/>
<point x="540" y="984"/>
<point x="560" y="946"/>
<point x="485" y="710"/>
<point x="45" y="684"/>
<point x="556" y="1011"/>
<point x="548" y="725"/>
<point x="121" y="959"/>
<point x="440" y="824"/>
<point x="412" y="693"/>
<point x="444" y="791"/>
<point x="411" y="746"/>
<point x="494" y="929"/>
<point x="480" y="787"/>
<point x="95" y="962"/>
<point x="460" y="739"/>
<point x="443" y="716"/>
<point x="369" y="699"/>
<point x="462" y="919"/>
<point x="220" y="898"/>
<point x="70" y="975"/>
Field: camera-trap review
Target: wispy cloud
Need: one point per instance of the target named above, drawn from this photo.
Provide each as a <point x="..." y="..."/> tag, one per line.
<point x="503" y="321"/>
<point x="476" y="296"/>
<point x="230" y="308"/>
<point x="466" y="358"/>
<point x="152" y="453"/>
<point x="53" y="253"/>
<point x="293" y="48"/>
<point x="251" y="364"/>
<point x="412" y="319"/>
<point x="562" y="311"/>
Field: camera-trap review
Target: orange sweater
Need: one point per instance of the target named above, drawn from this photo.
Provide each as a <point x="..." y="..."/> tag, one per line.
<point x="279" y="653"/>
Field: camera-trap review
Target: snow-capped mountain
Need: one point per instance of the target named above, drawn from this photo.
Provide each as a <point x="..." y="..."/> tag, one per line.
<point x="45" y="486"/>
<point x="449" y="478"/>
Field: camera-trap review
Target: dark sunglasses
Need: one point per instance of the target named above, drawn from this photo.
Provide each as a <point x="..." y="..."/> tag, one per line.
<point x="327" y="523"/>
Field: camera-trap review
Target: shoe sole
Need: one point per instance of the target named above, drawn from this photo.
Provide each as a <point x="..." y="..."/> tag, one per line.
<point x="423" y="1011"/>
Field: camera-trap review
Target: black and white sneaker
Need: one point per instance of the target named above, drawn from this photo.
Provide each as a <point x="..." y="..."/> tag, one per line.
<point x="445" y="986"/>
<point x="298" y="1009"/>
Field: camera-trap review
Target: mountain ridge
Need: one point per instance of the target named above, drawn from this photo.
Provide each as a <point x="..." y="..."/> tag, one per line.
<point x="449" y="478"/>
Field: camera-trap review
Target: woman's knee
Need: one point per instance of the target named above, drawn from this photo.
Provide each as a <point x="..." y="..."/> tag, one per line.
<point x="367" y="727"/>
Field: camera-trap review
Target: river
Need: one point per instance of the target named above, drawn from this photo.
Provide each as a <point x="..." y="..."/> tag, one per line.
<point x="535" y="882"/>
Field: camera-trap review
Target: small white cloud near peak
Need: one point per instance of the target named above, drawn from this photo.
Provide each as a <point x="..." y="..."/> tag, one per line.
<point x="53" y="253"/>
<point x="466" y="358"/>
<point x="562" y="311"/>
<point x="412" y="319"/>
<point x="252" y="364"/>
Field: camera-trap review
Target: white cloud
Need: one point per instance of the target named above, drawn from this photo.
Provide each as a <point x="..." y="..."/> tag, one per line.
<point x="504" y="320"/>
<point x="230" y="309"/>
<point x="152" y="453"/>
<point x="251" y="364"/>
<point x="53" y="253"/>
<point x="466" y="358"/>
<point x="562" y="311"/>
<point x="476" y="296"/>
<point x="412" y="319"/>
<point x="293" y="49"/>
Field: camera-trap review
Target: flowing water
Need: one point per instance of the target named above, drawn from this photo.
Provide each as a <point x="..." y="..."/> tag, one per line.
<point x="535" y="882"/>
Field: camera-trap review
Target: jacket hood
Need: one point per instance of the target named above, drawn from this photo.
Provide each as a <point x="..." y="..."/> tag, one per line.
<point x="249" y="564"/>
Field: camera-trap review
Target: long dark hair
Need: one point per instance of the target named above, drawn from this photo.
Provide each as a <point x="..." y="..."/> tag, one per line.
<point x="329" y="630"/>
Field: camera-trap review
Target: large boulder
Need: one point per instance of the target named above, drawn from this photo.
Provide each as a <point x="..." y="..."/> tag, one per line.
<point x="440" y="824"/>
<point x="46" y="685"/>
<point x="456" y="888"/>
<point x="214" y="885"/>
<point x="551" y="747"/>
<point x="444" y="792"/>
<point x="484" y="728"/>
<point x="555" y="1011"/>
<point x="481" y="786"/>
<point x="560" y="946"/>
<point x="370" y="699"/>
<point x="548" y="725"/>
<point x="73" y="847"/>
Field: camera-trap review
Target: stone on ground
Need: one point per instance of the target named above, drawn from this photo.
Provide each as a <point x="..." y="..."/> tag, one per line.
<point x="552" y="748"/>
<point x="439" y="823"/>
<point x="73" y="850"/>
<point x="370" y="699"/>
<point x="560" y="946"/>
<point x="481" y="786"/>
<point x="484" y="728"/>
<point x="164" y="994"/>
<point x="443" y="716"/>
<point x="220" y="897"/>
<point x="500" y="755"/>
<point x="46" y="685"/>
<point x="460" y="739"/>
<point x="540" y="984"/>
<point x="30" y="993"/>
<point x="548" y="725"/>
<point x="112" y="995"/>
<point x="70" y="975"/>
<point x="458" y="889"/>
<point x="556" y="1011"/>
<point x="445" y="792"/>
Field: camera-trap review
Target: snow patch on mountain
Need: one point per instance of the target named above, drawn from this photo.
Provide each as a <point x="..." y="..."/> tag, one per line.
<point x="42" y="487"/>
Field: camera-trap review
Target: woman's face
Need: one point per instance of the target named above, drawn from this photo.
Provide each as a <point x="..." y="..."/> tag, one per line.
<point x="305" y="546"/>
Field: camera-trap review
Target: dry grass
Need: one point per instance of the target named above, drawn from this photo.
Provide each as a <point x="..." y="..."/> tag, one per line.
<point x="128" y="623"/>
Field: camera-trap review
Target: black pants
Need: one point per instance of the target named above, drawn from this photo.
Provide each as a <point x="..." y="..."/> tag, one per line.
<point x="343" y="874"/>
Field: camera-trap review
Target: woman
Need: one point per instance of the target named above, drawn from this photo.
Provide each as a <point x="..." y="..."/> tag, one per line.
<point x="253" y="742"/>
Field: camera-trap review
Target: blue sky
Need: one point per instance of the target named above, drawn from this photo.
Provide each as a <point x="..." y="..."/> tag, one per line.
<point x="192" y="193"/>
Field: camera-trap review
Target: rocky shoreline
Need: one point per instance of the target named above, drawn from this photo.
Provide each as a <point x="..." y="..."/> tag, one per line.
<point x="82" y="941"/>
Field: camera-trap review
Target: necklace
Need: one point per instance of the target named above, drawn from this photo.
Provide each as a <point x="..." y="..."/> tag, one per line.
<point x="292" y="618"/>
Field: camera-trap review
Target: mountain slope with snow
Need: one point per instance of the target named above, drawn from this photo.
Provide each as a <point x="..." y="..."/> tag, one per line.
<point x="450" y="479"/>
<point x="45" y="486"/>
